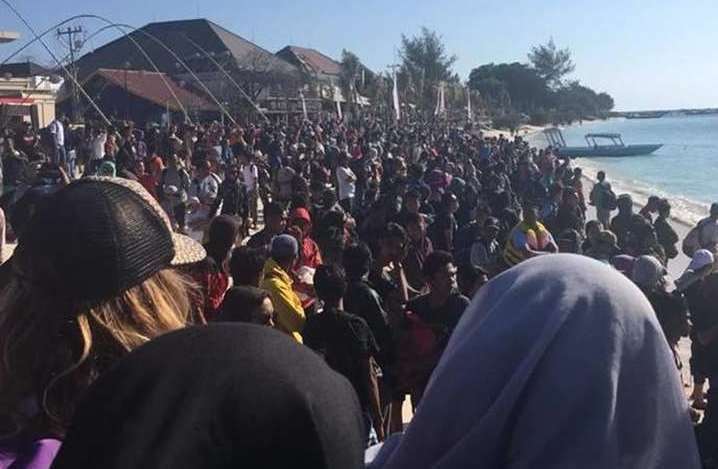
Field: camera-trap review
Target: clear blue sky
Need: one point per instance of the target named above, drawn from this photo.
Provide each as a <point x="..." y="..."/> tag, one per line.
<point x="654" y="54"/>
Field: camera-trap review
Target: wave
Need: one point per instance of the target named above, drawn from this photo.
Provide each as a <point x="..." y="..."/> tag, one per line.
<point x="683" y="209"/>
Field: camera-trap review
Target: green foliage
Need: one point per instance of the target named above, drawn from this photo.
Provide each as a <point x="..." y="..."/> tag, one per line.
<point x="350" y="73"/>
<point x="510" y="121"/>
<point x="526" y="89"/>
<point x="425" y="63"/>
<point x="550" y="63"/>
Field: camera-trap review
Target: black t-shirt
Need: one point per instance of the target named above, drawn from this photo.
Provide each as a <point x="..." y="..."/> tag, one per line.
<point x="443" y="319"/>
<point x="363" y="301"/>
<point x="346" y="343"/>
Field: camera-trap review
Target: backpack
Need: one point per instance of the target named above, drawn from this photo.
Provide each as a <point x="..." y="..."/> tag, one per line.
<point x="610" y="199"/>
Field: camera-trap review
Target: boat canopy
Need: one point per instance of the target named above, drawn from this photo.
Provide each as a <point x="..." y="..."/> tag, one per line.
<point x="615" y="139"/>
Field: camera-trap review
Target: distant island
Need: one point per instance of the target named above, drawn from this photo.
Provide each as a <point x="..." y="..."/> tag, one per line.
<point x="657" y="114"/>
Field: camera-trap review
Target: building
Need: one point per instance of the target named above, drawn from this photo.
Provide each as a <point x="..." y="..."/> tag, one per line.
<point x="8" y="36"/>
<point x="28" y="93"/>
<point x="206" y="49"/>
<point x="140" y="96"/>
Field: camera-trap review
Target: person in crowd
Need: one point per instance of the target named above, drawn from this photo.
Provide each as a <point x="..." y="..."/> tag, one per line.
<point x="621" y="223"/>
<point x="418" y="248"/>
<point x="650" y="208"/>
<point x="85" y="287"/>
<point x="440" y="309"/>
<point x="247" y="304"/>
<point x="212" y="274"/>
<point x="650" y="276"/>
<point x="704" y="235"/>
<point x="250" y="179"/>
<point x="593" y="228"/>
<point x="309" y="254"/>
<point x="388" y="266"/>
<point x="277" y="280"/>
<point x="486" y="250"/>
<point x="225" y="403"/>
<point x="705" y="331"/>
<point x="232" y="196"/>
<point x="246" y="265"/>
<point x="470" y="278"/>
<point x="569" y="215"/>
<point x="666" y="235"/>
<point x="275" y="220"/>
<point x="346" y="183"/>
<point x="604" y="199"/>
<point x="57" y="131"/>
<point x="175" y="185"/>
<point x="542" y="341"/>
<point x="346" y="342"/>
<point x="528" y="239"/>
<point x="443" y="230"/>
<point x="691" y="284"/>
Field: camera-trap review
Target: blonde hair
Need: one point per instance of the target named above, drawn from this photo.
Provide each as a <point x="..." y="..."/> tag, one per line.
<point x="52" y="349"/>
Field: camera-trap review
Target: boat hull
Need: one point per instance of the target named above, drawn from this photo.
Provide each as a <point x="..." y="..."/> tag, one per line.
<point x="608" y="151"/>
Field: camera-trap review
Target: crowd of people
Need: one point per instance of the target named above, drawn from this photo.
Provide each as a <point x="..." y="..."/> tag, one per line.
<point x="416" y="259"/>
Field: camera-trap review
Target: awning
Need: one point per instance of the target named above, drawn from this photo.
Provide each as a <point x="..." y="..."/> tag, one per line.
<point x="16" y="101"/>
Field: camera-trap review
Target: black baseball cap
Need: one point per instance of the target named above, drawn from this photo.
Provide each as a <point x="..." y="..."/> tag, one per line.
<point x="98" y="237"/>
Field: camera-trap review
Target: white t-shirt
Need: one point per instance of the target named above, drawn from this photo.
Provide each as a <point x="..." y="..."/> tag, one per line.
<point x="346" y="184"/>
<point x="209" y="189"/>
<point x="98" y="146"/>
<point x="58" y="132"/>
<point x="250" y="175"/>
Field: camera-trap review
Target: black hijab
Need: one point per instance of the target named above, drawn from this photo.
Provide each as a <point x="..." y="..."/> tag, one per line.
<point x="218" y="396"/>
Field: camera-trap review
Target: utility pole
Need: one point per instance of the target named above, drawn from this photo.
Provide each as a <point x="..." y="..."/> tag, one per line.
<point x="74" y="45"/>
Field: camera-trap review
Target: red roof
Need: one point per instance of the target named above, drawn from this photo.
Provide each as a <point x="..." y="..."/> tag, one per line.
<point x="316" y="60"/>
<point x="151" y="87"/>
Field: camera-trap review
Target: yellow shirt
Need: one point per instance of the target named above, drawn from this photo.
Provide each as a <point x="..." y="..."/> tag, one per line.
<point x="288" y="309"/>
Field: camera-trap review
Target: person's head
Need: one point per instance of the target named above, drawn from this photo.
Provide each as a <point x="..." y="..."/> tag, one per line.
<point x="246" y="264"/>
<point x="653" y="203"/>
<point x="392" y="243"/>
<point x="648" y="273"/>
<point x="231" y="173"/>
<point x="470" y="278"/>
<point x="664" y="208"/>
<point x="87" y="286"/>
<point x="357" y="261"/>
<point x="330" y="283"/>
<point x="284" y="250"/>
<point x="449" y="202"/>
<point x="714" y="211"/>
<point x="601" y="176"/>
<point x="247" y="304"/>
<point x="702" y="262"/>
<point x="439" y="273"/>
<point x="625" y="204"/>
<point x="224" y="395"/>
<point x="593" y="228"/>
<point x="606" y="244"/>
<point x="222" y="236"/>
<point x="275" y="217"/>
<point x="569" y="241"/>
<point x="530" y="214"/>
<point x="412" y="201"/>
<point x="536" y="343"/>
<point x="415" y="226"/>
<point x="491" y="228"/>
<point x="570" y="198"/>
<point x="300" y="217"/>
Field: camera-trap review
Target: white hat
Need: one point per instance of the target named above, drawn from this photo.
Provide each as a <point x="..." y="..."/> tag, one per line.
<point x="701" y="258"/>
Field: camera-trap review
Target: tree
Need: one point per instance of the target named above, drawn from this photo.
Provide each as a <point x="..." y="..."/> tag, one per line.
<point x="426" y="63"/>
<point x="550" y="63"/>
<point x="605" y="102"/>
<point x="526" y="89"/>
<point x="350" y="72"/>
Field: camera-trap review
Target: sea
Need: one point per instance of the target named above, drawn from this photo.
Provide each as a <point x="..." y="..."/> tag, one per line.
<point x="684" y="170"/>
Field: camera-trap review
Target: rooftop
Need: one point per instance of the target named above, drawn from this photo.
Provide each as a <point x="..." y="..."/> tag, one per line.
<point x="8" y="36"/>
<point x="313" y="60"/>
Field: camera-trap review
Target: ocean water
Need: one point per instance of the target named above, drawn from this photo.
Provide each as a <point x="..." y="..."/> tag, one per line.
<point x="684" y="170"/>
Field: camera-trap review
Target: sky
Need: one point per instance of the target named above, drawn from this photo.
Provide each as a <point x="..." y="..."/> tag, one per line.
<point x="647" y="55"/>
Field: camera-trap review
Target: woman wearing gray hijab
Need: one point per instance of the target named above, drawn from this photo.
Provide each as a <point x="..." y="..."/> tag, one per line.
<point x="558" y="363"/>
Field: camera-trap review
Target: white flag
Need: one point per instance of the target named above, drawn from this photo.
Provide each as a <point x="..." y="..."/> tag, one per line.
<point x="304" y="105"/>
<point x="468" y="103"/>
<point x="395" y="95"/>
<point x="339" y="106"/>
<point x="440" y="109"/>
